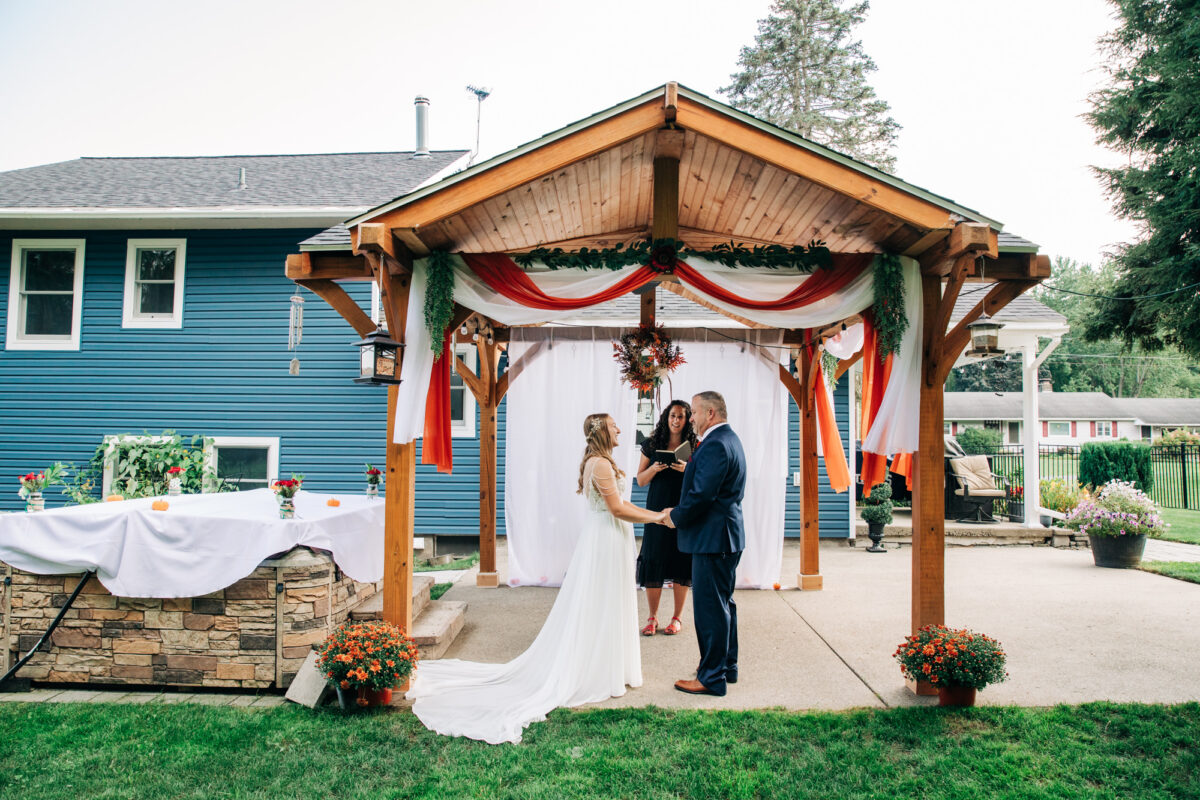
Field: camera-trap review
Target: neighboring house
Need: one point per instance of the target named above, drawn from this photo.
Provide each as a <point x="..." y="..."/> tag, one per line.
<point x="1154" y="416"/>
<point x="1071" y="418"/>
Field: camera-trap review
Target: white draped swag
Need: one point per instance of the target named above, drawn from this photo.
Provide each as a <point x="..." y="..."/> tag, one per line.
<point x="890" y="425"/>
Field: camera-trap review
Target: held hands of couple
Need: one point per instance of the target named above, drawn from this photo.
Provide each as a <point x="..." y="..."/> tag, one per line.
<point x="665" y="519"/>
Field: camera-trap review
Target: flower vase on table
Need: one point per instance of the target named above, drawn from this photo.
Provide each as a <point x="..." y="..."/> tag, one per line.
<point x="175" y="481"/>
<point x="33" y="483"/>
<point x="373" y="476"/>
<point x="35" y="502"/>
<point x="286" y="490"/>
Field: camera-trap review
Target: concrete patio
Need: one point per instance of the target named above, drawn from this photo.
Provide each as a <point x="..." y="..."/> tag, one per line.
<point x="1073" y="632"/>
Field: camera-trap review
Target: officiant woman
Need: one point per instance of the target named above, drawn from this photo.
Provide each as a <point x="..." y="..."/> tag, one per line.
<point x="660" y="560"/>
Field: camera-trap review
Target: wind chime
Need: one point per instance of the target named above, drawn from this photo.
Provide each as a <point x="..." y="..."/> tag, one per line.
<point x="295" y="331"/>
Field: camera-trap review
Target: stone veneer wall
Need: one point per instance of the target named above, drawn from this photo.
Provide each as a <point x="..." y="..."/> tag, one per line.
<point x="254" y="633"/>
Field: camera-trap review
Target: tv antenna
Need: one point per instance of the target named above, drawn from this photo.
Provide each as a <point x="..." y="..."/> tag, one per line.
<point x="481" y="94"/>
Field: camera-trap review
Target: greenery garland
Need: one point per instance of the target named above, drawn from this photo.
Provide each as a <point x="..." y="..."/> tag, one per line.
<point x="661" y="255"/>
<point x="829" y="365"/>
<point x="439" y="299"/>
<point x="890" y="321"/>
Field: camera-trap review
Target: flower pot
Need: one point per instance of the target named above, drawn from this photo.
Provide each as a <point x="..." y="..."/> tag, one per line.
<point x="1016" y="512"/>
<point x="174" y="487"/>
<point x="1046" y="520"/>
<point x="1119" y="552"/>
<point x="956" y="695"/>
<point x="372" y="490"/>
<point x="875" y="532"/>
<point x="35" y="502"/>
<point x="287" y="508"/>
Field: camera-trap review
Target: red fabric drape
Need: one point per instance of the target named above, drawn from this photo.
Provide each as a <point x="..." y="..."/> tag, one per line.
<point x="437" y="448"/>
<point x="874" y="381"/>
<point x="504" y="277"/>
<point x="836" y="468"/>
<point x="823" y="283"/>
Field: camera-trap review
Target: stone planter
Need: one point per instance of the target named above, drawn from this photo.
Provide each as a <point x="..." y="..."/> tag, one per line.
<point x="253" y="634"/>
<point x="1118" y="552"/>
<point x="963" y="696"/>
<point x="875" y="532"/>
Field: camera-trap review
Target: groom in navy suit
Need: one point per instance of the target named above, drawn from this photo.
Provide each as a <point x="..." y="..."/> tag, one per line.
<point x="709" y="519"/>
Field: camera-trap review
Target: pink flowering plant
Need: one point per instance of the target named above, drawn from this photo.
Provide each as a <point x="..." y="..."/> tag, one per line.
<point x="1118" y="509"/>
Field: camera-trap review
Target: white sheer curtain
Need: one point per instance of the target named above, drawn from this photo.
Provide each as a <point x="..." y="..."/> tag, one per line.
<point x="747" y="376"/>
<point x="571" y="374"/>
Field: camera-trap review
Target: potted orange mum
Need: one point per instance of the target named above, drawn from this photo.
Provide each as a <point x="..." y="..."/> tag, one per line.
<point x="957" y="662"/>
<point x="366" y="660"/>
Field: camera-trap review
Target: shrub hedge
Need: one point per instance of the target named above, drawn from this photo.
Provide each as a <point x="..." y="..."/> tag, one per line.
<point x="1101" y="462"/>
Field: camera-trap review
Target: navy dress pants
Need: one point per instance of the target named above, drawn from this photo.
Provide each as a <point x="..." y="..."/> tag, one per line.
<point x="715" y="618"/>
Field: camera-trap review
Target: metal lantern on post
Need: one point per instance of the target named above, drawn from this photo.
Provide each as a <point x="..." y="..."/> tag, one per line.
<point x="985" y="337"/>
<point x="379" y="359"/>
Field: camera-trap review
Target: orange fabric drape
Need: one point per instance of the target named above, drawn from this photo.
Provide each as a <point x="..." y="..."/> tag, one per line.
<point x="503" y="276"/>
<point x="875" y="376"/>
<point x="831" y="441"/>
<point x="822" y="284"/>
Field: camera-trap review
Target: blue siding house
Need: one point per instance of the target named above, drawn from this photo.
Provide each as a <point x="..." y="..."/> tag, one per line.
<point x="148" y="294"/>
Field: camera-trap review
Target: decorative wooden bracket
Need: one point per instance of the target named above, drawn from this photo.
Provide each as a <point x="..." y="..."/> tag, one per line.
<point x="846" y="363"/>
<point x="966" y="237"/>
<point x="342" y="303"/>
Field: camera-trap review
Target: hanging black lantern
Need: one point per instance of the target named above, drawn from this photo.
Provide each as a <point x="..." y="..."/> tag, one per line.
<point x="379" y="359"/>
<point x="985" y="337"/>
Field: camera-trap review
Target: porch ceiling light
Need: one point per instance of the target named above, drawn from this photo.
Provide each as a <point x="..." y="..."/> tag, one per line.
<point x="985" y="337"/>
<point x="379" y="359"/>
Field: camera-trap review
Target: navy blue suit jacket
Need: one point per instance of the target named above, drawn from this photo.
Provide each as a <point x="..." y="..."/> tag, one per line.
<point x="709" y="513"/>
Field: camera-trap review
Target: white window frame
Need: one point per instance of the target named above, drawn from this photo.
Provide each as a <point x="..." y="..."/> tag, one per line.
<point x="1008" y="432"/>
<point x="271" y="443"/>
<point x="129" y="316"/>
<point x="466" y="428"/>
<point x="1052" y="423"/>
<point x="110" y="441"/>
<point x="1101" y="433"/>
<point x="14" y="339"/>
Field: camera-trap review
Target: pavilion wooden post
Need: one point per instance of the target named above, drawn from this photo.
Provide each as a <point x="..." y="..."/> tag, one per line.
<point x="489" y="363"/>
<point x="807" y="364"/>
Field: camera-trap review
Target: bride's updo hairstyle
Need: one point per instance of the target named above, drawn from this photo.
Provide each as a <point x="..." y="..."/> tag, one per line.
<point x="599" y="443"/>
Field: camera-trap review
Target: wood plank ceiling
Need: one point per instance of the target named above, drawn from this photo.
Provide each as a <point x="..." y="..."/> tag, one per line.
<point x="724" y="194"/>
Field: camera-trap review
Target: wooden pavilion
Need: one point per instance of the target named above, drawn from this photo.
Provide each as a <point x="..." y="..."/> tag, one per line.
<point x="674" y="164"/>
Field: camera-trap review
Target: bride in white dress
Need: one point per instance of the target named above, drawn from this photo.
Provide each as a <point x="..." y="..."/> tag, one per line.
<point x="588" y="647"/>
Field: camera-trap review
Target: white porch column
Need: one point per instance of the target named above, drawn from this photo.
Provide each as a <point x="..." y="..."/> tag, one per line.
<point x="1031" y="429"/>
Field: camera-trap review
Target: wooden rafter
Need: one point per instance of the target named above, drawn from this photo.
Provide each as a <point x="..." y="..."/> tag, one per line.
<point x="327" y="267"/>
<point x="342" y="303"/>
<point x="846" y="363"/>
<point x="966" y="237"/>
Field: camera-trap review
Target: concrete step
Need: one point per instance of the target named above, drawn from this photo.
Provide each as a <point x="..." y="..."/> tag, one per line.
<point x="372" y="608"/>
<point x="961" y="534"/>
<point x="435" y="630"/>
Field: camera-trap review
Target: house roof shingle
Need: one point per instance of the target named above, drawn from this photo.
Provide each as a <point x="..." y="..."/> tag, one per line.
<point x="1162" y="410"/>
<point x="1051" y="405"/>
<point x="342" y="180"/>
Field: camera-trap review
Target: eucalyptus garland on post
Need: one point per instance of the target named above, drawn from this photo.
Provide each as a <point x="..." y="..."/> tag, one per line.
<point x="439" y="299"/>
<point x="890" y="321"/>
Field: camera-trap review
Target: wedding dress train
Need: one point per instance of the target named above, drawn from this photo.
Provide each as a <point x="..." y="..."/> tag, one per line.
<point x="587" y="650"/>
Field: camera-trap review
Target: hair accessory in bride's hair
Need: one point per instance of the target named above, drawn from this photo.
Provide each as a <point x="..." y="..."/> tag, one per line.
<point x="596" y="425"/>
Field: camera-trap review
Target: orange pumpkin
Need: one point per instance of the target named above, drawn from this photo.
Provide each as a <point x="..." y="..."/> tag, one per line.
<point x="114" y="498"/>
<point x="333" y="502"/>
<point x="160" y="505"/>
<point x="777" y="587"/>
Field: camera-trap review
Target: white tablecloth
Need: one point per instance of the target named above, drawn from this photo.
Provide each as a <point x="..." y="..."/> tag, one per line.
<point x="201" y="544"/>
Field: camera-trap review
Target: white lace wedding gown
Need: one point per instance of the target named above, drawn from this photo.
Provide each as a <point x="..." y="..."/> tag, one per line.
<point x="587" y="650"/>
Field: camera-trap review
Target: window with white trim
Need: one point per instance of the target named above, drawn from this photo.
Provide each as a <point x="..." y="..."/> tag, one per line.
<point x="1104" y="429"/>
<point x="154" y="283"/>
<point x="45" y="294"/>
<point x="1014" y="433"/>
<point x="462" y="402"/>
<point x="945" y="428"/>
<point x="247" y="462"/>
<point x="1060" y="429"/>
<point x="112" y="458"/>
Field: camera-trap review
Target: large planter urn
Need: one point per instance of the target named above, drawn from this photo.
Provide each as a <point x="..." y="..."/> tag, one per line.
<point x="35" y="502"/>
<point x="875" y="533"/>
<point x="956" y="695"/>
<point x="1118" y="552"/>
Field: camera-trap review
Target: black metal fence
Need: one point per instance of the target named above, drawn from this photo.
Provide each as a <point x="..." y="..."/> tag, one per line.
<point x="1176" y="470"/>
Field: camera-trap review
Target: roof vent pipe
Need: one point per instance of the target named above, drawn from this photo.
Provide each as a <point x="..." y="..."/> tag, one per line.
<point x="422" y="104"/>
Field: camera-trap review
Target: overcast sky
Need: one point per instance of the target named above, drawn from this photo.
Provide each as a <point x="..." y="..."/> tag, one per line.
<point x="989" y="94"/>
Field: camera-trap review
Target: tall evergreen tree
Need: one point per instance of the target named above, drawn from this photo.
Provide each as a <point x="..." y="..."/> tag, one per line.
<point x="1151" y="112"/>
<point x="807" y="73"/>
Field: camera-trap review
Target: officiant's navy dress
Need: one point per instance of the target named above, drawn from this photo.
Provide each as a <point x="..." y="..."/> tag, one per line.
<point x="660" y="560"/>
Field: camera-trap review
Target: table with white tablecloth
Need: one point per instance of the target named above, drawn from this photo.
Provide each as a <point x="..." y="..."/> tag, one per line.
<point x="200" y="544"/>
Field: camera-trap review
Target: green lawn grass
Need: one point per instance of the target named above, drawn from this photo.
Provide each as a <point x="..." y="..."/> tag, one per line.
<point x="1185" y="525"/>
<point x="68" y="752"/>
<point x="1183" y="570"/>
<point x="438" y="589"/>
<point x="466" y="562"/>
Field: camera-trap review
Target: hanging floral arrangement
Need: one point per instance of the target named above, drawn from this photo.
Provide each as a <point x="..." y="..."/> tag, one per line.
<point x="646" y="356"/>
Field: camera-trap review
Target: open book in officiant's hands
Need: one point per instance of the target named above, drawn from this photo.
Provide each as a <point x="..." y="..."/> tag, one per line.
<point x="679" y="454"/>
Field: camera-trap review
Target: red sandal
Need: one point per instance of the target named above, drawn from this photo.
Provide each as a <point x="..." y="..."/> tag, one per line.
<point x="675" y="627"/>
<point x="651" y="626"/>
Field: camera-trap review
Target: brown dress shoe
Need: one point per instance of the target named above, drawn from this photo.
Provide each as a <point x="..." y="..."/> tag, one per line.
<point x="694" y="687"/>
